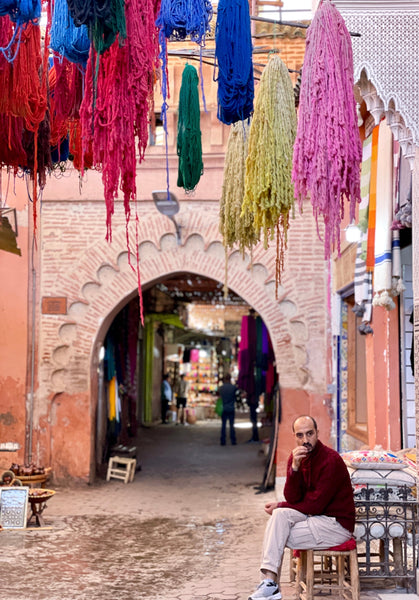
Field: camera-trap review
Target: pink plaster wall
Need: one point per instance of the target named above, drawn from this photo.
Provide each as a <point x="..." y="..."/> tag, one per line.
<point x="14" y="342"/>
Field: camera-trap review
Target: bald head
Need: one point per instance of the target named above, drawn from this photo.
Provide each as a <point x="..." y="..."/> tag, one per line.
<point x="304" y="417"/>
<point x="305" y="432"/>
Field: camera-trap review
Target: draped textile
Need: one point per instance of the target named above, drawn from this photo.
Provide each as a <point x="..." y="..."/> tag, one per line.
<point x="384" y="217"/>
<point x="372" y="202"/>
<point x="247" y="354"/>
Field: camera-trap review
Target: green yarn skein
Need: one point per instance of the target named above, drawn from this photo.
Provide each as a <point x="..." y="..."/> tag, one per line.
<point x="189" y="147"/>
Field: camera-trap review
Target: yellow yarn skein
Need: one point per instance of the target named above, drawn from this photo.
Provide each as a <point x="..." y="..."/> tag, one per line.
<point x="269" y="191"/>
<point x="235" y="227"/>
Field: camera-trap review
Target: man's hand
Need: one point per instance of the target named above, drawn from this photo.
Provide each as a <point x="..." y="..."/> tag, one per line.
<point x="270" y="507"/>
<point x="297" y="456"/>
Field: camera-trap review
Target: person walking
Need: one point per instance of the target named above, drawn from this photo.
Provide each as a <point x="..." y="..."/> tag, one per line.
<point x="166" y="397"/>
<point x="181" y="390"/>
<point x="228" y="394"/>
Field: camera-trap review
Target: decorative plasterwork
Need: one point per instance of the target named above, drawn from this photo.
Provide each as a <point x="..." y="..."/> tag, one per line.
<point x="385" y="60"/>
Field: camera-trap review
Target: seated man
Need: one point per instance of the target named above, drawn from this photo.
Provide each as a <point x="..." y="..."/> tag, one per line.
<point x="319" y="511"/>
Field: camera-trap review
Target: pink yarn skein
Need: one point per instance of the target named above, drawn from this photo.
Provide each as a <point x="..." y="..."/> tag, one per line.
<point x="327" y="149"/>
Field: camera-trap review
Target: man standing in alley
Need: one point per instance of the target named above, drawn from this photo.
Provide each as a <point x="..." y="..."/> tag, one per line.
<point x="181" y="391"/>
<point x="228" y="393"/>
<point x="318" y="511"/>
<point x="166" y="397"/>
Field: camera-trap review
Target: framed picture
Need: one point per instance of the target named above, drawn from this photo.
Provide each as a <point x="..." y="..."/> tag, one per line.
<point x="14" y="507"/>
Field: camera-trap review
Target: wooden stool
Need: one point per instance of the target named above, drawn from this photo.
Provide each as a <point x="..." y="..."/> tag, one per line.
<point x="330" y="573"/>
<point x="122" y="468"/>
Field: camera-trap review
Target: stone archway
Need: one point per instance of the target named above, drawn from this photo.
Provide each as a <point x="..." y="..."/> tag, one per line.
<point x="103" y="281"/>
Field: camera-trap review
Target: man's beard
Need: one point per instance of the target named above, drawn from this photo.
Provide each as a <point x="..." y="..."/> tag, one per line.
<point x="308" y="446"/>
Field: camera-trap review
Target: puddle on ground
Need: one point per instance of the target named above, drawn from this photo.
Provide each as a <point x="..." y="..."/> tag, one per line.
<point x="107" y="557"/>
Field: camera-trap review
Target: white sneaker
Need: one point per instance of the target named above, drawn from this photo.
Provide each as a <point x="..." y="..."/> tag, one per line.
<point x="266" y="590"/>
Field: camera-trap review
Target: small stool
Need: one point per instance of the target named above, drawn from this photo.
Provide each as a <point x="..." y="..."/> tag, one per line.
<point x="122" y="468"/>
<point x="330" y="573"/>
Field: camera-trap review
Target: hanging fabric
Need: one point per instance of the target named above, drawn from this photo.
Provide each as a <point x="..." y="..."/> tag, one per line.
<point x="361" y="280"/>
<point x="269" y="192"/>
<point x="189" y="147"/>
<point x="384" y="218"/>
<point x="233" y="53"/>
<point x="236" y="222"/>
<point x="327" y="152"/>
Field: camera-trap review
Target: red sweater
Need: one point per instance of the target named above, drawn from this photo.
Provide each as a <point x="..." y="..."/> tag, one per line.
<point x="321" y="486"/>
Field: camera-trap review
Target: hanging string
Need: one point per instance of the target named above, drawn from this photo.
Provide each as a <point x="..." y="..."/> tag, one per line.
<point x="328" y="152"/>
<point x="236" y="227"/>
<point x="189" y="147"/>
<point x="66" y="39"/>
<point x="233" y="52"/>
<point x="269" y="193"/>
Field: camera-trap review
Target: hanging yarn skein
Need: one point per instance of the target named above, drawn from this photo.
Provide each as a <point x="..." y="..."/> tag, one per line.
<point x="104" y="20"/>
<point x="233" y="52"/>
<point x="123" y="102"/>
<point x="269" y="193"/>
<point x="182" y="18"/>
<point x="189" y="147"/>
<point x="68" y="40"/>
<point x="179" y="19"/>
<point x="328" y="151"/>
<point x="235" y="226"/>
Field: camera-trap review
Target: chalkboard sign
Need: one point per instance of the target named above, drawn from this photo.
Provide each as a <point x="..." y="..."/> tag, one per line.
<point x="14" y="507"/>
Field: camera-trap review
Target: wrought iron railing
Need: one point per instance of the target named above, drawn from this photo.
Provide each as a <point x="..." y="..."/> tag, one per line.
<point x="386" y="525"/>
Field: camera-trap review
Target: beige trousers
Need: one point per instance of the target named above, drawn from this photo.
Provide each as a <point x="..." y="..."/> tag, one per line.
<point x="288" y="528"/>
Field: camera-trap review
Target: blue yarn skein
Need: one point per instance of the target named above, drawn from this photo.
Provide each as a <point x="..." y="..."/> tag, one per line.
<point x="180" y="18"/>
<point x="21" y="11"/>
<point x="233" y="52"/>
<point x="67" y="39"/>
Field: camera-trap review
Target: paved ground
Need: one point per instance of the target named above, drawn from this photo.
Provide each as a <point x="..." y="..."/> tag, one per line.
<point x="189" y="527"/>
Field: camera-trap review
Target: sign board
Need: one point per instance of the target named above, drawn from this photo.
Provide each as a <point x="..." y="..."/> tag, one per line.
<point x="166" y="203"/>
<point x="54" y="306"/>
<point x="14" y="507"/>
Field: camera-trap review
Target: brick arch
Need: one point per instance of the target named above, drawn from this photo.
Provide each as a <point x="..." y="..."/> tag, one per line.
<point x="102" y="281"/>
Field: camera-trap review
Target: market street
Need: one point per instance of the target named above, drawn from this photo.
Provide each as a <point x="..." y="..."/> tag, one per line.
<point x="189" y="527"/>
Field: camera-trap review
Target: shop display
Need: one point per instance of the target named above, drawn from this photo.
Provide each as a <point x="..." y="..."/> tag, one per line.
<point x="203" y="383"/>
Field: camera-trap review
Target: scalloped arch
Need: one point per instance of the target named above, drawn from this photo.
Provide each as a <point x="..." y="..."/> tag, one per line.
<point x="106" y="286"/>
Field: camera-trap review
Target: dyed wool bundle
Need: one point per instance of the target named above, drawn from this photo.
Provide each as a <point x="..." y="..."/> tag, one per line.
<point x="12" y="153"/>
<point x="105" y="20"/>
<point x="189" y="148"/>
<point x="269" y="193"/>
<point x="236" y="226"/>
<point x="124" y="99"/>
<point x="21" y="11"/>
<point x="182" y="18"/>
<point x="68" y="40"/>
<point x="327" y="151"/>
<point x="233" y="52"/>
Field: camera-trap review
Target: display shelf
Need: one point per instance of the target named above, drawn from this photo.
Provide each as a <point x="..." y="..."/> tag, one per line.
<point x="203" y="382"/>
